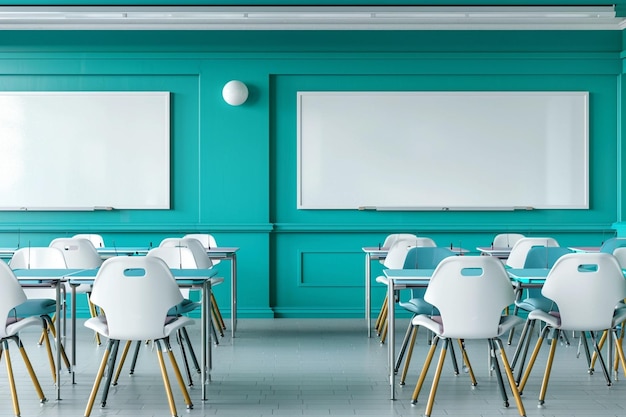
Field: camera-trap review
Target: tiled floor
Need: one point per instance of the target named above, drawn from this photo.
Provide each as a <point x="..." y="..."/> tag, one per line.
<point x="292" y="367"/>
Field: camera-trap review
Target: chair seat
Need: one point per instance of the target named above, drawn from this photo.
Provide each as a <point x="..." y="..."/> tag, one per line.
<point x="99" y="324"/>
<point x="419" y="306"/>
<point x="183" y="307"/>
<point x="36" y="307"/>
<point x="536" y="303"/>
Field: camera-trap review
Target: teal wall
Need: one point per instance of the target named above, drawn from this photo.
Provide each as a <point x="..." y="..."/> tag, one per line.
<point x="234" y="168"/>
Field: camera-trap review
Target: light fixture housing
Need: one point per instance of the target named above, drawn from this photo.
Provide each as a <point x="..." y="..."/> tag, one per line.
<point x="310" y="18"/>
<point x="235" y="93"/>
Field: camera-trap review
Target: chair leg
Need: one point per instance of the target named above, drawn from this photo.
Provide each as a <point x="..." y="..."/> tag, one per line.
<point x="523" y="346"/>
<point x="531" y="361"/>
<point x="409" y="354"/>
<point x="496" y="367"/>
<point x="382" y="313"/>
<point x="435" y="385"/>
<point x="218" y="313"/>
<point x="122" y="360"/>
<point x="109" y="375"/>
<point x="546" y="374"/>
<point x="619" y="353"/>
<point x="46" y="340"/>
<point x="509" y="374"/>
<point x="135" y="356"/>
<point x="183" y="354"/>
<point x="455" y="365"/>
<point x="29" y="368"/>
<point x="11" y="377"/>
<point x="601" y="342"/>
<point x="96" y="384"/>
<point x="403" y="347"/>
<point x="166" y="380"/>
<point x="602" y="363"/>
<point x="216" y="321"/>
<point x="192" y="353"/>
<point x="179" y="377"/>
<point x="467" y="363"/>
<point x="50" y="323"/>
<point x="420" y="381"/>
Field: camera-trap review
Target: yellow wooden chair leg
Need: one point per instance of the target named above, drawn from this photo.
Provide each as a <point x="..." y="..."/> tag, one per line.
<point x="46" y="340"/>
<point x="216" y="324"/>
<point x="382" y="316"/>
<point x="619" y="354"/>
<point x="122" y="360"/>
<point x="31" y="373"/>
<point x="435" y="385"/>
<point x="96" y="384"/>
<point x="218" y="312"/>
<point x="531" y="361"/>
<point x="546" y="374"/>
<point x="427" y="361"/>
<point x="179" y="378"/>
<point x="11" y="377"/>
<point x="166" y="380"/>
<point x="509" y="374"/>
<point x="383" y="333"/>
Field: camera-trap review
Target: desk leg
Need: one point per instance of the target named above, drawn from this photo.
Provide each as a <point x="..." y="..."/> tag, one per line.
<point x="233" y="294"/>
<point x="205" y="332"/>
<point x="391" y="345"/>
<point x="58" y="341"/>
<point x="73" y="314"/>
<point x="368" y="293"/>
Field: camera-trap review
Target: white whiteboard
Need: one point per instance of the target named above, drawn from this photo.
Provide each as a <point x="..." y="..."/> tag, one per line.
<point x="84" y="150"/>
<point x="443" y="150"/>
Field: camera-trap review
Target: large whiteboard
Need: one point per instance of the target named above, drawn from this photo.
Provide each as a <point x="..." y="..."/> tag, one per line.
<point x="84" y="150"/>
<point x="443" y="150"/>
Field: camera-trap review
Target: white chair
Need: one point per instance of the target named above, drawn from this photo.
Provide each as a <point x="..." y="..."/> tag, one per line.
<point x="517" y="257"/>
<point x="41" y="301"/>
<point x="586" y="287"/>
<point x="202" y="260"/>
<point x="395" y="260"/>
<point x="208" y="241"/>
<point x="470" y="293"/>
<point x="137" y="313"/>
<point x="11" y="296"/>
<point x="96" y="239"/>
<point x="80" y="253"/>
<point x="177" y="257"/>
<point x="506" y="240"/>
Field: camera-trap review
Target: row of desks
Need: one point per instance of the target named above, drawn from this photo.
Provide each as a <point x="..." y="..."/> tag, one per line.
<point x="194" y="278"/>
<point x="216" y="253"/>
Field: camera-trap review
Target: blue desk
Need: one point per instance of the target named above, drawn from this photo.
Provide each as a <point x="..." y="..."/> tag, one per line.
<point x="190" y="278"/>
<point x="399" y="279"/>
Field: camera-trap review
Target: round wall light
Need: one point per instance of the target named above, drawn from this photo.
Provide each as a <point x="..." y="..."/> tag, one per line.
<point x="235" y="93"/>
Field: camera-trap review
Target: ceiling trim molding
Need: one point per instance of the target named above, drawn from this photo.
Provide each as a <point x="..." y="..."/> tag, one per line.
<point x="310" y="18"/>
